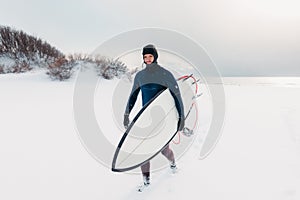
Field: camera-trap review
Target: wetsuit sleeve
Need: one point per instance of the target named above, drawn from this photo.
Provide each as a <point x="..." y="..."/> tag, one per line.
<point x="174" y="89"/>
<point x="133" y="95"/>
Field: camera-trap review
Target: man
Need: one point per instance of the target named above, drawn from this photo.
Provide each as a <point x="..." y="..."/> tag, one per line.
<point x="151" y="81"/>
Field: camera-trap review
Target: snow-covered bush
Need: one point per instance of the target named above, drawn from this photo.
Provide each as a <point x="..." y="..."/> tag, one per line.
<point x="61" y="69"/>
<point x="110" y="68"/>
<point x="9" y="65"/>
<point x="80" y="57"/>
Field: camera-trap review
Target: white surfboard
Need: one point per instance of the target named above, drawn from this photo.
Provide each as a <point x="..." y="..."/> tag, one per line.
<point x="152" y="129"/>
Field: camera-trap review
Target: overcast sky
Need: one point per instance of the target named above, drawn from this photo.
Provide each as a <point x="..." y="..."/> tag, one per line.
<point x="243" y="37"/>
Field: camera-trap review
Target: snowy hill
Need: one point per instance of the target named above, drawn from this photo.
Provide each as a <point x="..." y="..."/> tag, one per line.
<point x="42" y="157"/>
<point x="20" y="52"/>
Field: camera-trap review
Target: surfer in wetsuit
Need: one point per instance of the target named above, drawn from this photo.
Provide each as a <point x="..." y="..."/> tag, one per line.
<point x="151" y="81"/>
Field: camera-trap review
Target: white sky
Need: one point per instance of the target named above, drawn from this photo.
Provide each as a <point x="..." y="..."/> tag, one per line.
<point x="243" y="37"/>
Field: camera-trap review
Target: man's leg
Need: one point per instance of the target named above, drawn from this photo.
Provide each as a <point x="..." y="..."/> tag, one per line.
<point x="168" y="153"/>
<point x="146" y="173"/>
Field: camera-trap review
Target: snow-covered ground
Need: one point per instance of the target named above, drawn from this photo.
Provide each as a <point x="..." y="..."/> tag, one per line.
<point x="257" y="156"/>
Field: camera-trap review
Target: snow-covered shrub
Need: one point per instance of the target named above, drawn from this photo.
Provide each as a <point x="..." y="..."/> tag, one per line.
<point x="21" y="67"/>
<point x="9" y="65"/>
<point x="109" y="68"/>
<point x="61" y="69"/>
<point x="80" y="57"/>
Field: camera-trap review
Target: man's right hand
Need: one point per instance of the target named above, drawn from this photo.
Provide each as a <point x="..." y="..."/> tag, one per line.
<point x="126" y="121"/>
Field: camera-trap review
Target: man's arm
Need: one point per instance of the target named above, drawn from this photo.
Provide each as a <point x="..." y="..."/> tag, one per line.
<point x="174" y="89"/>
<point x="133" y="96"/>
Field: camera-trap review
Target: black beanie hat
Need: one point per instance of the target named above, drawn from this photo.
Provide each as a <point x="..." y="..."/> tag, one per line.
<point x="150" y="49"/>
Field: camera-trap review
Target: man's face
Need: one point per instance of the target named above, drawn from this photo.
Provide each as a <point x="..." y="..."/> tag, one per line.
<point x="148" y="58"/>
